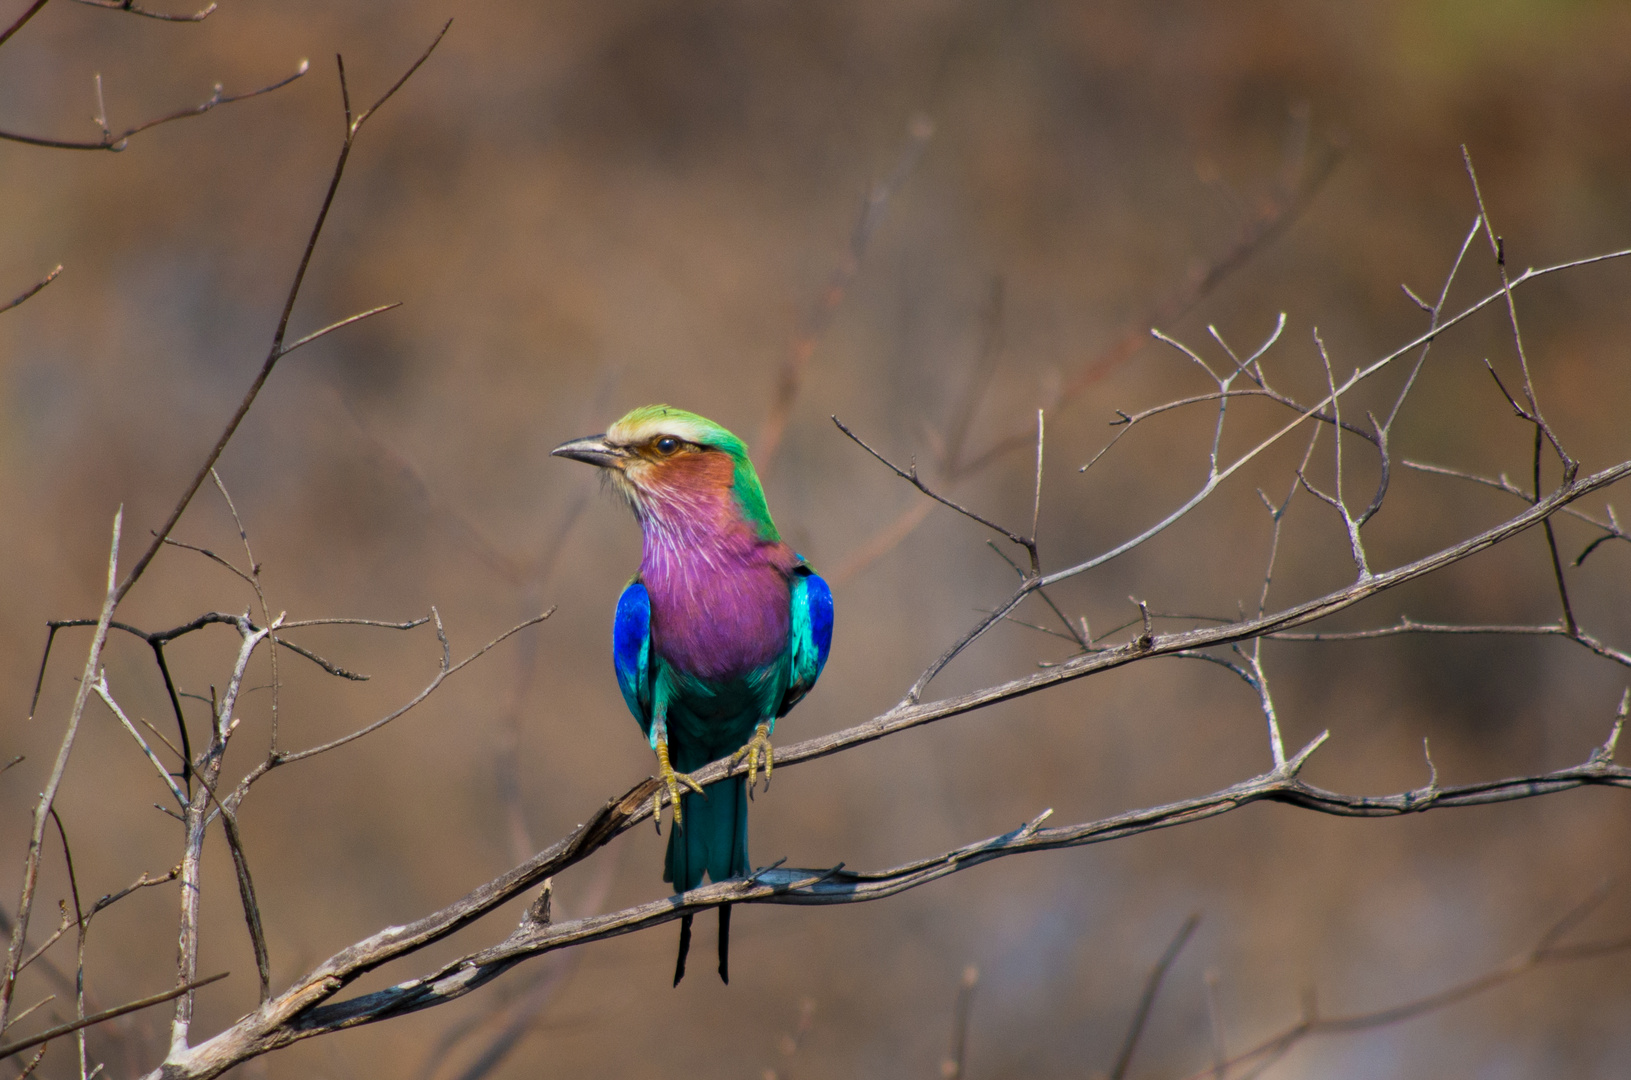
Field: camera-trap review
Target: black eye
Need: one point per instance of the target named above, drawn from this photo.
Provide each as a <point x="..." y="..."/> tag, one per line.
<point x="667" y="445"/>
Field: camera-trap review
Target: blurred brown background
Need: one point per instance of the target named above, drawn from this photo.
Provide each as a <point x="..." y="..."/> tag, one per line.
<point x="588" y="206"/>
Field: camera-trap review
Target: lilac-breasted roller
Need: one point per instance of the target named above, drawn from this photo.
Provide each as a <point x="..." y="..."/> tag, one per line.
<point x="722" y="631"/>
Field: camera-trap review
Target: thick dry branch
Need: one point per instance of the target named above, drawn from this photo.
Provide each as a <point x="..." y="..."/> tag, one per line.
<point x="116" y="143"/>
<point x="779" y="885"/>
<point x="298" y="1013"/>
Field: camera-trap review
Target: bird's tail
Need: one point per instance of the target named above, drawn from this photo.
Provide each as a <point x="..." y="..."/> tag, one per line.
<point x="711" y="838"/>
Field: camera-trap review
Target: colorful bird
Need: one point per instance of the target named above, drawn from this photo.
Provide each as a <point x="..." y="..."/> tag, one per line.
<point x="722" y="631"/>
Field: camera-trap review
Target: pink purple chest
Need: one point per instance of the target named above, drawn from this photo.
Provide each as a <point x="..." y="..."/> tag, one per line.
<point x="719" y="605"/>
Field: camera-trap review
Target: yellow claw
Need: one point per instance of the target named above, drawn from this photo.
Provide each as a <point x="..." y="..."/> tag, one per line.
<point x="672" y="781"/>
<point x="757" y="749"/>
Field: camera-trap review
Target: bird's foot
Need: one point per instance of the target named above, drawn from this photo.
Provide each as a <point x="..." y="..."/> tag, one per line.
<point x="673" y="783"/>
<point x="756" y="751"/>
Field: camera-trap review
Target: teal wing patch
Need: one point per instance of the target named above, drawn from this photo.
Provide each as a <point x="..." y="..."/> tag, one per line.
<point x="811" y="636"/>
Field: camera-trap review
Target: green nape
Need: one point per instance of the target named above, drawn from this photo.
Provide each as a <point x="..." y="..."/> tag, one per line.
<point x="648" y="421"/>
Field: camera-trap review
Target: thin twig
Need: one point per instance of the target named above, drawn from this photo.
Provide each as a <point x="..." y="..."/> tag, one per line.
<point x="32" y="289"/>
<point x="1498" y="249"/>
<point x="116" y="143"/>
<point x="106" y="1014"/>
<point x="277" y="350"/>
<point x="952" y="1068"/>
<point x="911" y="477"/>
<point x="17" y="24"/>
<point x="446" y="669"/>
<point x="803" y="346"/>
<point x="1545" y="952"/>
<point x="106" y="695"/>
<point x="134" y="9"/>
<point x="31" y="862"/>
<point x="1146" y="1000"/>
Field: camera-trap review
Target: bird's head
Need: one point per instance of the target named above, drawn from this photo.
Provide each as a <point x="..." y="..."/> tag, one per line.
<point x="675" y="465"/>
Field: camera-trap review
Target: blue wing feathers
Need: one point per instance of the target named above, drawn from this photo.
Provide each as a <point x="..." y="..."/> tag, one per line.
<point x="819" y="598"/>
<point x="631" y="651"/>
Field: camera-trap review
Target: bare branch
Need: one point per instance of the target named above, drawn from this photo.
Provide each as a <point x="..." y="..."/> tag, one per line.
<point x="31" y="862"/>
<point x="277" y="350"/>
<point x="803" y="346"/>
<point x="18" y="23"/>
<point x="1358" y="376"/>
<point x="1434" y="312"/>
<point x="134" y="9"/>
<point x="1498" y="249"/>
<point x="409" y="624"/>
<point x="952" y="1067"/>
<point x="780" y="886"/>
<point x="246" y="892"/>
<point x="1551" y="545"/>
<point x="106" y="695"/>
<point x="32" y="289"/>
<point x="116" y="143"/>
<point x="107" y="1014"/>
<point x="1545" y="952"/>
<point x="442" y="673"/>
<point x="333" y="326"/>
<point x="911" y="477"/>
<point x="1611" y="527"/>
<point x="1146" y="1000"/>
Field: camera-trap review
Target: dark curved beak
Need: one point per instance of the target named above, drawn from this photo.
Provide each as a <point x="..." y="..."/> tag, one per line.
<point x="593" y="449"/>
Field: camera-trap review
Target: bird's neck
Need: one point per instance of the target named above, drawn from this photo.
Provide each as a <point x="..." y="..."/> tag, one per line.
<point x="696" y="557"/>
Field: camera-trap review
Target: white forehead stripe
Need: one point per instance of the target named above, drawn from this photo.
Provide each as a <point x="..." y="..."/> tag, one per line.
<point x="648" y="428"/>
